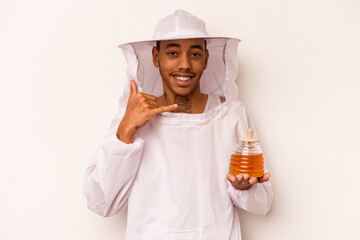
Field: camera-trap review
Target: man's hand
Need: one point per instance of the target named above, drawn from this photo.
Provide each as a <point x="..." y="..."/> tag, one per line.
<point x="245" y="181"/>
<point x="140" y="109"/>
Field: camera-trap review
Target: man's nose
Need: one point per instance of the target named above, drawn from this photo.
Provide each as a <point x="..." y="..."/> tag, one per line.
<point x="184" y="62"/>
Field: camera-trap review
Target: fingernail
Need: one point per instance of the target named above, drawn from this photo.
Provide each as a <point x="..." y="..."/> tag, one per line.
<point x="175" y="105"/>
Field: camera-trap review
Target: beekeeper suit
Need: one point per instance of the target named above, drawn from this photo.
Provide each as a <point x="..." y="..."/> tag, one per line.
<point x="172" y="176"/>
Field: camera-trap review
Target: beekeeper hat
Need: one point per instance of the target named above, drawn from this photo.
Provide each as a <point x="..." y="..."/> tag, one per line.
<point x="222" y="66"/>
<point x="179" y="25"/>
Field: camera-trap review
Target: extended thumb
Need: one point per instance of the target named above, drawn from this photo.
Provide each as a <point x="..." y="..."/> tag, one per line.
<point x="133" y="87"/>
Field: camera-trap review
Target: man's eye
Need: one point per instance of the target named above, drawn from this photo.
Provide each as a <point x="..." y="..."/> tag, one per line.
<point x="172" y="53"/>
<point x="196" y="54"/>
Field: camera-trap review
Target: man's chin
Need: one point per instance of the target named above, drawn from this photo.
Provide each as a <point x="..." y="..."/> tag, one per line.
<point x="183" y="91"/>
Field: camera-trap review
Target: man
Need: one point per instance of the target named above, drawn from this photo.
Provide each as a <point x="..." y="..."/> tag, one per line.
<point x="166" y="154"/>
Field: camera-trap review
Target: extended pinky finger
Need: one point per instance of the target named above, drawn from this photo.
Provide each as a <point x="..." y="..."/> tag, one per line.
<point x="162" y="109"/>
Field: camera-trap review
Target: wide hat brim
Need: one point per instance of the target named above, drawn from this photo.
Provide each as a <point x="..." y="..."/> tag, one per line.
<point x="152" y="42"/>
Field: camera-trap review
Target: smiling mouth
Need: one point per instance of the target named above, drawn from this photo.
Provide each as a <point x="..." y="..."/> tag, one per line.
<point x="182" y="78"/>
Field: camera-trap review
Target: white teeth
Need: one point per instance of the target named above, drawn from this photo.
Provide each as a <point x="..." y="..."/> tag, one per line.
<point x="182" y="78"/>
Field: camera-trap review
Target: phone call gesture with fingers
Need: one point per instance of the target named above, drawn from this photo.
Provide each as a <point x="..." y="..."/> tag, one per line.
<point x="140" y="109"/>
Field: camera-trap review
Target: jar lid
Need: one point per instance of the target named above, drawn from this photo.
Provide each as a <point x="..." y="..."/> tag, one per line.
<point x="249" y="137"/>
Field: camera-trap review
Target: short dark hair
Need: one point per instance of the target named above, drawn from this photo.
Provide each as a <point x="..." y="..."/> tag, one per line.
<point x="158" y="45"/>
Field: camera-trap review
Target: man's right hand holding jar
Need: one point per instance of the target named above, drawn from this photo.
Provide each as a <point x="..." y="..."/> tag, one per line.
<point x="245" y="181"/>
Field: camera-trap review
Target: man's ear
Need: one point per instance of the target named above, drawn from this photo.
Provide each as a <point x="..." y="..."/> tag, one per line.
<point x="206" y="58"/>
<point x="155" y="55"/>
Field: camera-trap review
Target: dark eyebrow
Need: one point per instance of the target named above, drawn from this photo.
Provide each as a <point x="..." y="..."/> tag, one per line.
<point x="197" y="46"/>
<point x="178" y="45"/>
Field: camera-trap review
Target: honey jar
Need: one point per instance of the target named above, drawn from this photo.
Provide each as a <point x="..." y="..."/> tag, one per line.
<point x="248" y="157"/>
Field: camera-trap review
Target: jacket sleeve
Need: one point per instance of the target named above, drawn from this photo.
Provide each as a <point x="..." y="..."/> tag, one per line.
<point x="259" y="197"/>
<point x="108" y="178"/>
<point x="256" y="200"/>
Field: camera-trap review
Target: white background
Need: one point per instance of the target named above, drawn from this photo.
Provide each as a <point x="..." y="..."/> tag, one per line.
<point x="62" y="74"/>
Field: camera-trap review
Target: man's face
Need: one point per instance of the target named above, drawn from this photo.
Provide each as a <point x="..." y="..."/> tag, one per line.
<point x="181" y="64"/>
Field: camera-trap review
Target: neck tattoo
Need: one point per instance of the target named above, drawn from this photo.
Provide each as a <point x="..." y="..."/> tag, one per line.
<point x="184" y="105"/>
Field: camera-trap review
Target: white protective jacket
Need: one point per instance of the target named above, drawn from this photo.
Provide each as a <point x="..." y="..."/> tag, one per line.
<point x="173" y="177"/>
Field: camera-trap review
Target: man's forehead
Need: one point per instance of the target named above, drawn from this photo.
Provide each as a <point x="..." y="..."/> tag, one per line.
<point x="184" y="43"/>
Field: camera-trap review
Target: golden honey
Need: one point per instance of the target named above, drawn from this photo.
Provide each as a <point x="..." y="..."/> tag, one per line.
<point x="250" y="164"/>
